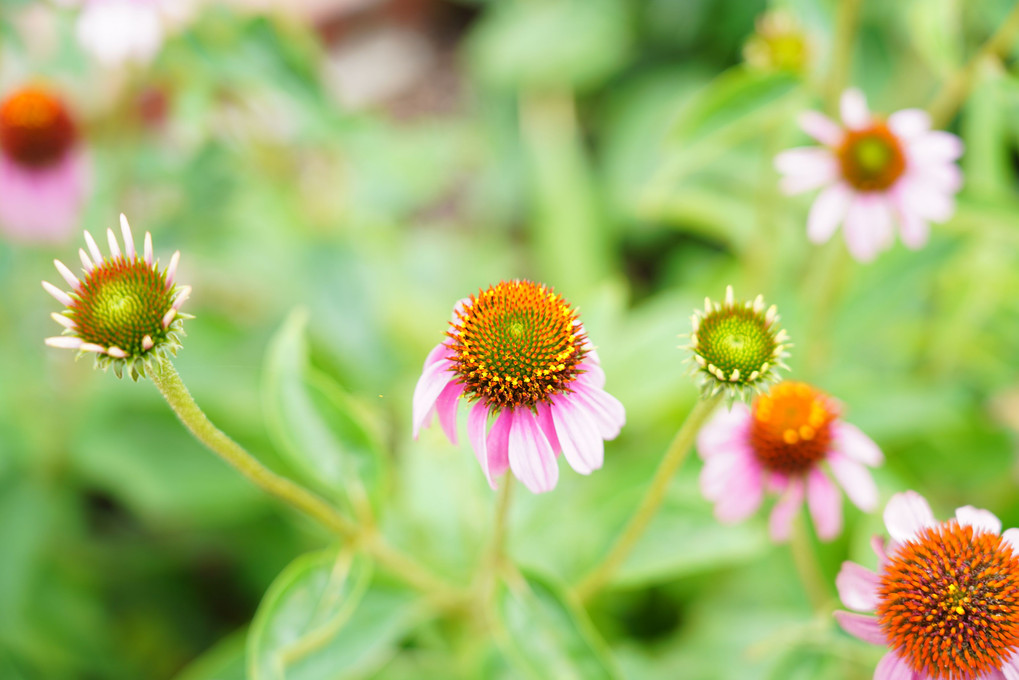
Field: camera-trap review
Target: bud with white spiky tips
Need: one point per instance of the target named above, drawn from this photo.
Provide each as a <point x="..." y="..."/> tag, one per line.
<point x="124" y="310"/>
<point x="737" y="348"/>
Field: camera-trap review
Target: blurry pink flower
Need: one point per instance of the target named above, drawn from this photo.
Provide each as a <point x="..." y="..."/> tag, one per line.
<point x="945" y="595"/>
<point x="874" y="171"/>
<point x="116" y="32"/>
<point x="780" y="445"/>
<point x="518" y="351"/>
<point x="42" y="170"/>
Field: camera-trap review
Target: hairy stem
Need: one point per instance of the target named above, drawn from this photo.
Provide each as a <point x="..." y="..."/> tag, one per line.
<point x="808" y="567"/>
<point x="635" y="528"/>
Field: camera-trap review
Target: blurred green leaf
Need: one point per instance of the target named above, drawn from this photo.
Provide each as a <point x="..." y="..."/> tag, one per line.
<point x="225" y="661"/>
<point x="560" y="43"/>
<point x="318" y="428"/>
<point x="24" y="525"/>
<point x="548" y="636"/>
<point x="320" y="619"/>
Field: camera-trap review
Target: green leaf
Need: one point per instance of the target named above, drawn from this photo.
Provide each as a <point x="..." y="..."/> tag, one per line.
<point x="224" y="661"/>
<point x="560" y="43"/>
<point x="320" y="430"/>
<point x="546" y="635"/>
<point x="319" y="619"/>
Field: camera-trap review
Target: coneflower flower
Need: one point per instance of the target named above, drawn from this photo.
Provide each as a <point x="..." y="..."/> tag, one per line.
<point x="783" y="444"/>
<point x="42" y="168"/>
<point x="874" y="171"/>
<point x="124" y="310"/>
<point x="737" y="347"/>
<point x="945" y="596"/>
<point x="117" y="32"/>
<point x="518" y="352"/>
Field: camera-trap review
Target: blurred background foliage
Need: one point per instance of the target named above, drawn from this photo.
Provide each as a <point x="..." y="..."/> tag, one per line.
<point x="337" y="174"/>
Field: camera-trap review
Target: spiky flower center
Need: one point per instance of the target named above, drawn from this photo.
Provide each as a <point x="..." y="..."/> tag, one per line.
<point x="949" y="602"/>
<point x="121" y="302"/>
<point x="790" y="431"/>
<point x="516" y="344"/>
<point x="36" y="129"/>
<point x="871" y="159"/>
<point x="737" y="342"/>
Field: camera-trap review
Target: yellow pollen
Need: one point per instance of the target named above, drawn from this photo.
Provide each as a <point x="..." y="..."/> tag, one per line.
<point x="790" y="437"/>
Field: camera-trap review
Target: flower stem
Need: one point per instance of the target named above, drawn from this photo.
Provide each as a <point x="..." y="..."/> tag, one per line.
<point x="495" y="551"/>
<point x="847" y="19"/>
<point x="673" y="459"/>
<point x="957" y="87"/>
<point x="169" y="383"/>
<point x="807" y="565"/>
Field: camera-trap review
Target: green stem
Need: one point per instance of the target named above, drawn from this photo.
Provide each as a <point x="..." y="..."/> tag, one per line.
<point x="674" y="457"/>
<point x="847" y="19"/>
<point x="807" y="565"/>
<point x="495" y="551"/>
<point x="957" y="87"/>
<point x="169" y="383"/>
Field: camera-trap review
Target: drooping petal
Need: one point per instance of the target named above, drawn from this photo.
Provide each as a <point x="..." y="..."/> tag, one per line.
<point x="592" y="373"/>
<point x="867" y="628"/>
<point x="42" y="204"/>
<point x="724" y="429"/>
<point x="825" y="503"/>
<point x="893" y="667"/>
<point x="498" y="444"/>
<point x="909" y="123"/>
<point x="530" y="455"/>
<point x="1010" y="668"/>
<point x="547" y="426"/>
<point x="781" y="520"/>
<point x="858" y="587"/>
<point x="741" y="492"/>
<point x="868" y="226"/>
<point x="855" y="479"/>
<point x="822" y="128"/>
<point x="806" y="168"/>
<point x="607" y="413"/>
<point x="936" y="146"/>
<point x="980" y="520"/>
<point x="914" y="230"/>
<point x="582" y="446"/>
<point x="828" y="210"/>
<point x="925" y="200"/>
<point x="853" y="107"/>
<point x="446" y="406"/>
<point x="906" y="514"/>
<point x="429" y="386"/>
<point x="477" y="421"/>
<point x="850" y="440"/>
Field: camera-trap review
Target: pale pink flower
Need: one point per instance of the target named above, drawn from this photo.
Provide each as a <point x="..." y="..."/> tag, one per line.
<point x="43" y="172"/>
<point x="783" y="445"/>
<point x="945" y="595"/>
<point x="117" y="32"/>
<point x="875" y="172"/>
<point x="518" y="352"/>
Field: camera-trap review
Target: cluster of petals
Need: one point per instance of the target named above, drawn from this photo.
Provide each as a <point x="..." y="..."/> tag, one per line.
<point x="117" y="32"/>
<point x="920" y="190"/>
<point x="908" y="517"/>
<point x="525" y="439"/>
<point x="735" y="479"/>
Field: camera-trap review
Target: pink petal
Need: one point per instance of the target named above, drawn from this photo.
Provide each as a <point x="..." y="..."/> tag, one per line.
<point x="858" y="587"/>
<point x="915" y="230"/>
<point x="592" y="374"/>
<point x="822" y="128"/>
<point x="853" y="106"/>
<point x="906" y="514"/>
<point x="446" y="406"/>
<point x="980" y="520"/>
<point x="582" y="446"/>
<point x="827" y="212"/>
<point x="936" y="146"/>
<point x="806" y="168"/>
<point x="868" y="226"/>
<point x="877" y="544"/>
<point x="825" y="503"/>
<point x="548" y="427"/>
<point x="429" y="386"/>
<point x="1011" y="536"/>
<point x="607" y="413"/>
<point x="530" y="455"/>
<point x="924" y="200"/>
<point x="719" y="470"/>
<point x="855" y="479"/>
<point x="725" y="428"/>
<point x="1010" y="669"/>
<point x="909" y="123"/>
<point x="893" y="667"/>
<point x="42" y="205"/>
<point x="477" y="421"/>
<point x="785" y="510"/>
<point x="867" y="628"/>
<point x="946" y="177"/>
<point x="498" y="444"/>
<point x="741" y="491"/>
<point x="850" y="440"/>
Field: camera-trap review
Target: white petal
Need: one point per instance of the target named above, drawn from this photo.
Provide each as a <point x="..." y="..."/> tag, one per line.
<point x="980" y="520"/>
<point x="853" y="106"/>
<point x="822" y="128"/>
<point x="125" y="230"/>
<point x="827" y="212"/>
<point x="909" y="123"/>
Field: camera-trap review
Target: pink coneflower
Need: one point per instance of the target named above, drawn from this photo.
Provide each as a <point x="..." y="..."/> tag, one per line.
<point x="117" y="32"/>
<point x="42" y="169"/>
<point x="124" y="310"/>
<point x="519" y="352"/>
<point x="945" y="595"/>
<point x="875" y="172"/>
<point x="780" y="445"/>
